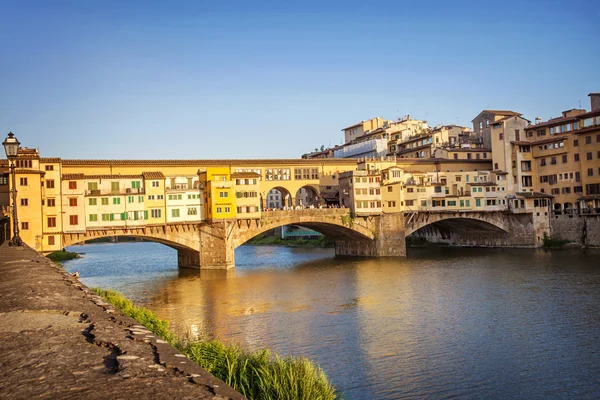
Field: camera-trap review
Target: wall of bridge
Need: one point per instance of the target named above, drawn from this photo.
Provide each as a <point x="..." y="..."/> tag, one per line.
<point x="583" y="230"/>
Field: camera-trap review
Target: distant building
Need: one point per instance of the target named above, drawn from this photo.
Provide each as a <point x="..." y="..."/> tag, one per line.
<point x="483" y="121"/>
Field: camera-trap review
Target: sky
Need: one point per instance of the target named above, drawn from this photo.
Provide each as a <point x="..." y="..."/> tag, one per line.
<point x="276" y="79"/>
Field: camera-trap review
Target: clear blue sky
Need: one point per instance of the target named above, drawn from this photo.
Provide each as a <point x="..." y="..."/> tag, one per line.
<point x="275" y="79"/>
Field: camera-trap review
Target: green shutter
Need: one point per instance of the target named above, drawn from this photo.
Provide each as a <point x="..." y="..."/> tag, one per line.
<point x="146" y="214"/>
<point x="112" y="217"/>
<point x="123" y="216"/>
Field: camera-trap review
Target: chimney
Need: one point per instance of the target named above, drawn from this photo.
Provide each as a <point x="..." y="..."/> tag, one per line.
<point x="595" y="101"/>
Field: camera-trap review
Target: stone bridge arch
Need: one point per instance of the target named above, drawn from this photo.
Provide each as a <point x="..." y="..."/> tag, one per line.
<point x="181" y="237"/>
<point x="335" y="223"/>
<point x="458" y="222"/>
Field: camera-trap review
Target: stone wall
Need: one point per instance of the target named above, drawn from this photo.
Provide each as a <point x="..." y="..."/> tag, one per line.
<point x="390" y="240"/>
<point x="581" y="229"/>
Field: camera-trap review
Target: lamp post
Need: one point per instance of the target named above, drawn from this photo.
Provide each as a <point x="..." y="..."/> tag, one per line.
<point x="11" y="147"/>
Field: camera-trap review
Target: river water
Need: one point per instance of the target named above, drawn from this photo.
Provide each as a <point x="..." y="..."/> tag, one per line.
<point x="442" y="323"/>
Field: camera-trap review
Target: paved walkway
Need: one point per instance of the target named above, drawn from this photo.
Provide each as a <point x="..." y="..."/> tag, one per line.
<point x="59" y="340"/>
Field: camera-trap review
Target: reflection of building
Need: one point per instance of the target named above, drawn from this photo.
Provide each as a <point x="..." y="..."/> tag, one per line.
<point x="298" y="232"/>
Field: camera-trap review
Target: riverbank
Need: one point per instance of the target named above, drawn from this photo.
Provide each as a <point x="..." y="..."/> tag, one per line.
<point x="58" y="339"/>
<point x="60" y="256"/>
<point x="257" y="375"/>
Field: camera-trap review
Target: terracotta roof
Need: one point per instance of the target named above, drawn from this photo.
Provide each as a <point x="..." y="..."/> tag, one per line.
<point x="352" y="126"/>
<point x="589" y="197"/>
<point x="29" y="171"/>
<point x="535" y="195"/>
<point x="27" y="151"/>
<point x="498" y="112"/>
<point x="153" y="175"/>
<point x="72" y="177"/>
<point x="49" y="159"/>
<point x="245" y="175"/>
<point x="292" y="161"/>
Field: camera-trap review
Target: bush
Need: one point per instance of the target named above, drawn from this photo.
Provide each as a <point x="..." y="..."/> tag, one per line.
<point x="59" y="256"/>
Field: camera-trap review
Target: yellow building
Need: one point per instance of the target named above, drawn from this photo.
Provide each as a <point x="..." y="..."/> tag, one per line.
<point x="219" y="193"/>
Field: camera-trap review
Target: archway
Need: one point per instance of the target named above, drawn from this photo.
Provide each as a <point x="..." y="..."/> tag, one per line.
<point x="459" y="231"/>
<point x="277" y="198"/>
<point x="557" y="208"/>
<point x="308" y="197"/>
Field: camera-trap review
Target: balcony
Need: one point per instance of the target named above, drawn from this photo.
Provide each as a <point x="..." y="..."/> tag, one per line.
<point x="121" y="192"/>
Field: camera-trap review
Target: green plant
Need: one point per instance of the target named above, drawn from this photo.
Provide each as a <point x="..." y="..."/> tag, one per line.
<point x="257" y="375"/>
<point x="347" y="220"/>
<point x="59" y="256"/>
<point x="550" y="243"/>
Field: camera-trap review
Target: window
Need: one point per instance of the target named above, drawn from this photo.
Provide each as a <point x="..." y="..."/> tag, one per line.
<point x="576" y="157"/>
<point x="72" y="184"/>
<point x="105" y="217"/>
<point x="73" y="201"/>
<point x="501" y="136"/>
<point x="51" y="222"/>
<point x="24" y="226"/>
<point x="130" y="199"/>
<point x="223" y="194"/>
<point x="588" y="139"/>
<point x="564" y="159"/>
<point x="192" y="211"/>
<point x="588" y="155"/>
<point x="219" y="210"/>
<point x="135" y="184"/>
<point x="116" y="200"/>
<point x="23" y="181"/>
<point x="51" y="203"/>
<point x="553" y="160"/>
<point x="155" y="213"/>
<point x="597" y="138"/>
<point x="93" y="201"/>
<point x="456" y="156"/>
<point x="24" y="163"/>
<point x="590" y="171"/>
<point x="114" y="187"/>
<point x="25" y="202"/>
<point x="50" y="240"/>
<point x="92" y="186"/>
<point x="50" y="183"/>
<point x="73" y="219"/>
<point x="140" y="199"/>
<point x="575" y="142"/>
<point x="49" y="167"/>
<point x="480" y="124"/>
<point x="104" y="201"/>
<point x="175" y="213"/>
<point x="227" y="210"/>
<point x="390" y="189"/>
<point x="155" y="184"/>
<point x="93" y="217"/>
<point x="487" y="123"/>
<point x="542" y="162"/>
<point x="451" y="203"/>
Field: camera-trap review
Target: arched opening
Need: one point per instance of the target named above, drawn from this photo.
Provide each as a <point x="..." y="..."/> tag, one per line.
<point x="557" y="208"/>
<point x="277" y="198"/>
<point x="308" y="197"/>
<point x="458" y="231"/>
<point x="568" y="208"/>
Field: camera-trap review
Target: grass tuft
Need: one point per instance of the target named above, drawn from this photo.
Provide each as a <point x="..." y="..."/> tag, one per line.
<point x="258" y="375"/>
<point x="59" y="256"/>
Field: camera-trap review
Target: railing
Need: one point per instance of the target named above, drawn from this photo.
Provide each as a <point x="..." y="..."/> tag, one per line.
<point x="577" y="211"/>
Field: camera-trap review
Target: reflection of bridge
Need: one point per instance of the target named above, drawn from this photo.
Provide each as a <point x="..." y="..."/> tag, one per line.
<point x="210" y="245"/>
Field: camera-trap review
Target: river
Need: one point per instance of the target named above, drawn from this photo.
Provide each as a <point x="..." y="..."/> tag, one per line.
<point x="442" y="323"/>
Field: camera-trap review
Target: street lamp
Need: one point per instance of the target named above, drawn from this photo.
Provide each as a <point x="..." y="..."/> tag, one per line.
<point x="11" y="147"/>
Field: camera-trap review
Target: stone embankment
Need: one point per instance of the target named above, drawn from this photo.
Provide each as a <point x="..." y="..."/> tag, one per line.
<point x="59" y="340"/>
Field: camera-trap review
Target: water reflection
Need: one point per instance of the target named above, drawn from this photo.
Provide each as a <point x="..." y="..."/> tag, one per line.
<point x="467" y="323"/>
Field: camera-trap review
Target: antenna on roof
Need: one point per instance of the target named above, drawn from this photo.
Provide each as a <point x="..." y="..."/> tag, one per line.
<point x="579" y="102"/>
<point x="538" y="120"/>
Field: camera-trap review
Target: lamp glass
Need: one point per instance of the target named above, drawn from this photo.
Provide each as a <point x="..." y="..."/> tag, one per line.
<point x="11" y="146"/>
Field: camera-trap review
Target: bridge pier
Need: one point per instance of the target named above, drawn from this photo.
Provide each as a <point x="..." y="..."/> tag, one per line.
<point x="390" y="240"/>
<point x="216" y="245"/>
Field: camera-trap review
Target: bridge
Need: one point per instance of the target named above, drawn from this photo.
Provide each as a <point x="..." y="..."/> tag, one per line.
<point x="211" y="245"/>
